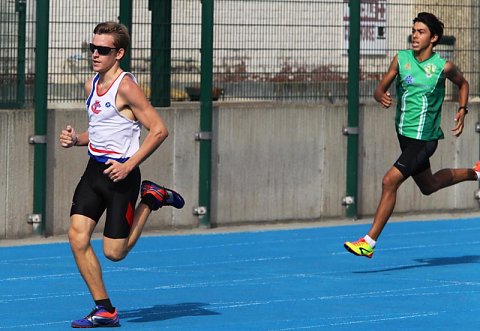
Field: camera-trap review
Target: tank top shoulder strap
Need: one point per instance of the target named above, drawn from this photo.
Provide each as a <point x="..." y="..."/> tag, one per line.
<point x="116" y="84"/>
<point x="94" y="83"/>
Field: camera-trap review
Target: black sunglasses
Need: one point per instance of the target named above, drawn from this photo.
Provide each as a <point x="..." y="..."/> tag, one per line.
<point x="102" y="50"/>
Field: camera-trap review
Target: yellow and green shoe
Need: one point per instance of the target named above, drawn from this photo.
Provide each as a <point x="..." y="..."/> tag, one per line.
<point x="359" y="247"/>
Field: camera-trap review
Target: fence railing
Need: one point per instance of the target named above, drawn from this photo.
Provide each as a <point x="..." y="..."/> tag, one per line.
<point x="286" y="50"/>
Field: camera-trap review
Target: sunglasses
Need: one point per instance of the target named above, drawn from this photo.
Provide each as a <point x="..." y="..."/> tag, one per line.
<point x="102" y="50"/>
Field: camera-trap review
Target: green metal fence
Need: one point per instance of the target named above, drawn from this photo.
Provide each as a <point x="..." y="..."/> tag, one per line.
<point x="16" y="40"/>
<point x="286" y="50"/>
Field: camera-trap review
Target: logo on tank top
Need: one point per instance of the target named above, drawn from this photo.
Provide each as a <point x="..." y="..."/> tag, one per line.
<point x="409" y="79"/>
<point x="430" y="70"/>
<point x="96" y="107"/>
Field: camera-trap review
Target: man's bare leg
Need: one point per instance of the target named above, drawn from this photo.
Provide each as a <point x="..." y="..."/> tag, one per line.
<point x="79" y="234"/>
<point x="390" y="184"/>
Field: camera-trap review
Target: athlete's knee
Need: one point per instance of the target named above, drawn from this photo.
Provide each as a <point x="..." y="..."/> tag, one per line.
<point x="77" y="239"/>
<point x="114" y="254"/>
<point x="427" y="185"/>
<point x="427" y="189"/>
<point x="389" y="183"/>
<point x="115" y="257"/>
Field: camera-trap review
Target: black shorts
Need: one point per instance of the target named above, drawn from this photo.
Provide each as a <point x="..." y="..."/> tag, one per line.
<point x="96" y="192"/>
<point x="415" y="157"/>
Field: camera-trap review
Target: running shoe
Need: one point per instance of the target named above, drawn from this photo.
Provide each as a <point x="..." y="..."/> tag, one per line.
<point x="98" y="317"/>
<point x="162" y="196"/>
<point x="359" y="247"/>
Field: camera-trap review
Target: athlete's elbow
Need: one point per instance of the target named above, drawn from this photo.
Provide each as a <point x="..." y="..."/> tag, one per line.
<point x="164" y="133"/>
<point x="161" y="134"/>
<point x="465" y="87"/>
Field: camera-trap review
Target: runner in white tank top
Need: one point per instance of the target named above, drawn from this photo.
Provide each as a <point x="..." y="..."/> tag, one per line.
<point x="117" y="110"/>
<point x="111" y="134"/>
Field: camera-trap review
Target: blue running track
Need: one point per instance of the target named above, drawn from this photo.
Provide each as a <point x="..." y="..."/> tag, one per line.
<point x="423" y="276"/>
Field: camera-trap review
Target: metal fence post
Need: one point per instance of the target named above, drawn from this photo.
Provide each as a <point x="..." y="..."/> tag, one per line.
<point x="353" y="103"/>
<point x="21" y="9"/>
<point x="206" y="84"/>
<point x="161" y="52"/>
<point x="41" y="95"/>
<point x="126" y="19"/>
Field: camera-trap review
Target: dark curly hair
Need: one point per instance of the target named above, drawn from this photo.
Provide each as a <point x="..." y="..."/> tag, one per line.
<point x="434" y="24"/>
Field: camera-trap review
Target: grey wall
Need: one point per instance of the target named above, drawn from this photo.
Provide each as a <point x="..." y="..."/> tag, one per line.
<point x="271" y="162"/>
<point x="16" y="173"/>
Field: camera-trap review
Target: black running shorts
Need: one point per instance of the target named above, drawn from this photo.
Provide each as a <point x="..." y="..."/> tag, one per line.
<point x="96" y="192"/>
<point x="415" y="157"/>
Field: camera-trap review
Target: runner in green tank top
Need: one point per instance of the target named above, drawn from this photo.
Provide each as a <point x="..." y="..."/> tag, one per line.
<point x="420" y="75"/>
<point x="420" y="90"/>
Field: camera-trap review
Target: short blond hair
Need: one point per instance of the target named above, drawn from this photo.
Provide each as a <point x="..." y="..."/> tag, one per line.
<point x="121" y="37"/>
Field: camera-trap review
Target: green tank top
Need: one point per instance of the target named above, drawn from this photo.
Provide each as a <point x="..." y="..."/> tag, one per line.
<point x="420" y="93"/>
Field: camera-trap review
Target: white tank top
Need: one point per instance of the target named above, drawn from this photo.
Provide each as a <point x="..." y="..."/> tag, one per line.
<point x="111" y="135"/>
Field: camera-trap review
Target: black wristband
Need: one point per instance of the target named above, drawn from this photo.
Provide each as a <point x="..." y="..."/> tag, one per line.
<point x="464" y="108"/>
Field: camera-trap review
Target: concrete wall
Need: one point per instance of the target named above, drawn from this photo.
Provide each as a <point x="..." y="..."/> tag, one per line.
<point x="16" y="173"/>
<point x="280" y="163"/>
<point x="271" y="162"/>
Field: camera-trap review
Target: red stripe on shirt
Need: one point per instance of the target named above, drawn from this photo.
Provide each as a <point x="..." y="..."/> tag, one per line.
<point x="96" y="150"/>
